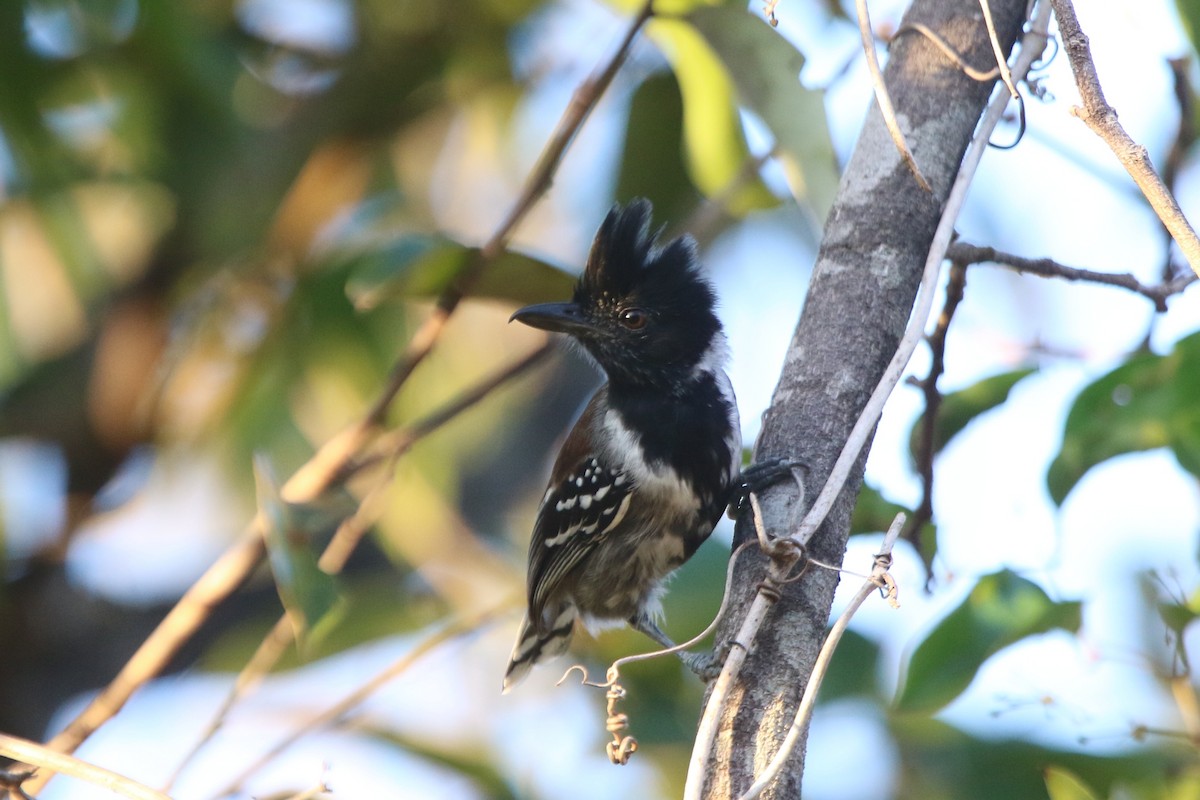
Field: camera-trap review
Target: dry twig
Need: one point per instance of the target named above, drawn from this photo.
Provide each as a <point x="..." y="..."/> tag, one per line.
<point x="949" y="52"/>
<point x="1098" y="115"/>
<point x="319" y="474"/>
<point x="933" y="401"/>
<point x="965" y="253"/>
<point x="1032" y="45"/>
<point x="43" y="757"/>
<point x="883" y="98"/>
<point x="339" y="710"/>
<point x="348" y="535"/>
<point x="878" y="579"/>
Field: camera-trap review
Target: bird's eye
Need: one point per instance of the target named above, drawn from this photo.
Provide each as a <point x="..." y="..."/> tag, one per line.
<point x="633" y="318"/>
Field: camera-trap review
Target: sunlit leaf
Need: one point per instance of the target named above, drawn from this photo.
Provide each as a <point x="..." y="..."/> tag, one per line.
<point x="519" y="278"/>
<point x="308" y="595"/>
<point x="1003" y="608"/>
<point x="765" y="68"/>
<point x="653" y="165"/>
<point x="673" y="8"/>
<point x="423" y="266"/>
<point x="714" y="142"/>
<point x="959" y="408"/>
<point x="1149" y="401"/>
<point x="1062" y="784"/>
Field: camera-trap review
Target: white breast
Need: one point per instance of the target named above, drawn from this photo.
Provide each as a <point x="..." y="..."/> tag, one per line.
<point x="652" y="480"/>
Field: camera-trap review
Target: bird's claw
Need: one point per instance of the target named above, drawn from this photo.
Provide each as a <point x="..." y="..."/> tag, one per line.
<point x="757" y="477"/>
<point x="707" y="666"/>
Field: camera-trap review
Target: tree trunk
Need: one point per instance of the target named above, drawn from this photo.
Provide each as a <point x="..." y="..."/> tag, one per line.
<point x="863" y="286"/>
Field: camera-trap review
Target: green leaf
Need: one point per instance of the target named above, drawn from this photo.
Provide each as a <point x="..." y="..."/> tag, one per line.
<point x="1149" y="401"/>
<point x="943" y="762"/>
<point x="1003" y="608"/>
<point x="521" y="279"/>
<point x="653" y="165"/>
<point x="714" y="142"/>
<point x="765" y="69"/>
<point x="853" y="670"/>
<point x="959" y="408"/>
<point x="1062" y="784"/>
<point x="423" y="266"/>
<point x="873" y="515"/>
<point x="308" y="595"/>
<point x="1189" y="13"/>
<point x="1177" y="613"/>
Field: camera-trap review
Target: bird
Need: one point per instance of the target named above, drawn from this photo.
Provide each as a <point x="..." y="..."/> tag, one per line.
<point x="653" y="461"/>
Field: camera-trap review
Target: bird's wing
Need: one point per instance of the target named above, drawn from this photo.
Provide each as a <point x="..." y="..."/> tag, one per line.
<point x="586" y="500"/>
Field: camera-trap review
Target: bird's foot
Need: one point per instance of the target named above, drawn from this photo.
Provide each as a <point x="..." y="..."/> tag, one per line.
<point x="707" y="666"/>
<point x="759" y="476"/>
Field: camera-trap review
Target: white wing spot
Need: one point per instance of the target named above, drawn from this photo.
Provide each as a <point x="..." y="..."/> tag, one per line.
<point x="562" y="537"/>
<point x="585" y="501"/>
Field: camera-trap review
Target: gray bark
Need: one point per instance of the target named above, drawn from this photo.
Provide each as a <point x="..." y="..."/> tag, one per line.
<point x="863" y="286"/>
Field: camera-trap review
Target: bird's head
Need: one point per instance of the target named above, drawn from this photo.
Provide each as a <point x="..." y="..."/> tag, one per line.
<point x="643" y="312"/>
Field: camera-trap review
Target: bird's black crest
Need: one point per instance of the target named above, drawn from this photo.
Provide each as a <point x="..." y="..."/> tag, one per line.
<point x="625" y="263"/>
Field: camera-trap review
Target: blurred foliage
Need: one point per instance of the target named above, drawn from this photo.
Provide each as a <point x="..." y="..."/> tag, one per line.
<point x="1147" y="402"/>
<point x="943" y="763"/>
<point x="1002" y="609"/>
<point x="308" y="594"/>
<point x="1062" y="784"/>
<point x="764" y="68"/>
<point x="959" y="408"/>
<point x="217" y="232"/>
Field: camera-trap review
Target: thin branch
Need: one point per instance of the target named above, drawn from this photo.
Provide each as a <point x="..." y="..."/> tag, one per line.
<point x="965" y="253"/>
<point x="1185" y="132"/>
<point x="739" y="648"/>
<point x="311" y="793"/>
<point x="1098" y="115"/>
<point x="949" y="52"/>
<point x="318" y="474"/>
<point x="394" y="444"/>
<point x="218" y="582"/>
<point x="614" y="669"/>
<point x="348" y="536"/>
<point x="582" y="102"/>
<point x="1005" y="73"/>
<point x="933" y="401"/>
<point x="623" y="747"/>
<point x="878" y="579"/>
<point x="883" y="98"/>
<point x="44" y="757"/>
<point x="1001" y="61"/>
<point x="1032" y="45"/>
<point x="703" y="220"/>
<point x="336" y="712"/>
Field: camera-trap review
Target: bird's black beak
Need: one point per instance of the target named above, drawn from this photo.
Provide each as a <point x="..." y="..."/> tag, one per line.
<point x="559" y="317"/>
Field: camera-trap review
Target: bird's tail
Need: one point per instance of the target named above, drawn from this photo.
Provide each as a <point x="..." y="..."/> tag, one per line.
<point x="534" y="646"/>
